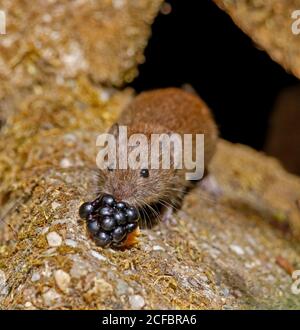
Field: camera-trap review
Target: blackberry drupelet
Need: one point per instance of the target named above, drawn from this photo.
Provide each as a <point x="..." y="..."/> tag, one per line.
<point x="86" y="209"/>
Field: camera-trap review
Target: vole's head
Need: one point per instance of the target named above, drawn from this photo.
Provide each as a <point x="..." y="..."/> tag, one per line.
<point x="145" y="188"/>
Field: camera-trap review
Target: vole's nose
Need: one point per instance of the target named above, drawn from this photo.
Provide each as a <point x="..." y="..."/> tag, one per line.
<point x="121" y="194"/>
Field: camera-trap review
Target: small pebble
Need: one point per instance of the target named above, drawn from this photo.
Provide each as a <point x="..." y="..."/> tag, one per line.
<point x="118" y="4"/>
<point x="35" y="277"/>
<point x="50" y="252"/>
<point x="97" y="255"/>
<point x="71" y="242"/>
<point x="121" y="288"/>
<point x="80" y="268"/>
<point x="203" y="278"/>
<point x="136" y="301"/>
<point x="158" y="248"/>
<point x="54" y="239"/>
<point x="104" y="95"/>
<point x="28" y="304"/>
<point x="2" y="278"/>
<point x="45" y="230"/>
<point x="62" y="280"/>
<point x="237" y="249"/>
<point x="51" y="297"/>
<point x="65" y="163"/>
<point x="70" y="138"/>
<point x="226" y="292"/>
<point x="55" y="205"/>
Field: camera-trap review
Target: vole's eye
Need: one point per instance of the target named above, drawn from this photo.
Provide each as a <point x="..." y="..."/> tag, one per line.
<point x="144" y="173"/>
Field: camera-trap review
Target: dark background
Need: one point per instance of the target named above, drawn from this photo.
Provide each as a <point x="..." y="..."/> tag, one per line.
<point x="198" y="44"/>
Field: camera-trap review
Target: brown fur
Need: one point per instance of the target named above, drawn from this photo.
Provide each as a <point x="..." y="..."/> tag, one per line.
<point x="168" y="110"/>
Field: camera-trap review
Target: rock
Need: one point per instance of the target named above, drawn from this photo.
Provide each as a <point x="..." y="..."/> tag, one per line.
<point x="50" y="51"/>
<point x="157" y="248"/>
<point x="51" y="298"/>
<point x="80" y="267"/>
<point x="62" y="280"/>
<point x="269" y="24"/>
<point x="55" y="205"/>
<point x="122" y="288"/>
<point x="255" y="214"/>
<point x="136" y="302"/>
<point x="35" y="277"/>
<point x="2" y="278"/>
<point x="28" y="305"/>
<point x="237" y="249"/>
<point x="3" y="288"/>
<point x="70" y="242"/>
<point x="100" y="290"/>
<point x="65" y="163"/>
<point x="98" y="256"/>
<point x="54" y="239"/>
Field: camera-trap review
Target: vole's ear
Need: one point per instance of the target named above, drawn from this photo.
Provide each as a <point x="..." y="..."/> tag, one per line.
<point x="114" y="129"/>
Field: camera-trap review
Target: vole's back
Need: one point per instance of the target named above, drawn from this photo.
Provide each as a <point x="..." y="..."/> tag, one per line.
<point x="172" y="110"/>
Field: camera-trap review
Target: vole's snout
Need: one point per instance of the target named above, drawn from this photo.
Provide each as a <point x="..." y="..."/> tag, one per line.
<point x="117" y="194"/>
<point x="122" y="190"/>
<point x="109" y="221"/>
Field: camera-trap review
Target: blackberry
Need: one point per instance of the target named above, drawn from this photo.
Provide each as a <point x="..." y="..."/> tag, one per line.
<point x="109" y="221"/>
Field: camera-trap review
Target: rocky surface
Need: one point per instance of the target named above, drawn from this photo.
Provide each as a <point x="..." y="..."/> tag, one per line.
<point x="269" y="24"/>
<point x="231" y="251"/>
<point x="57" y="40"/>
<point x="234" y="250"/>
